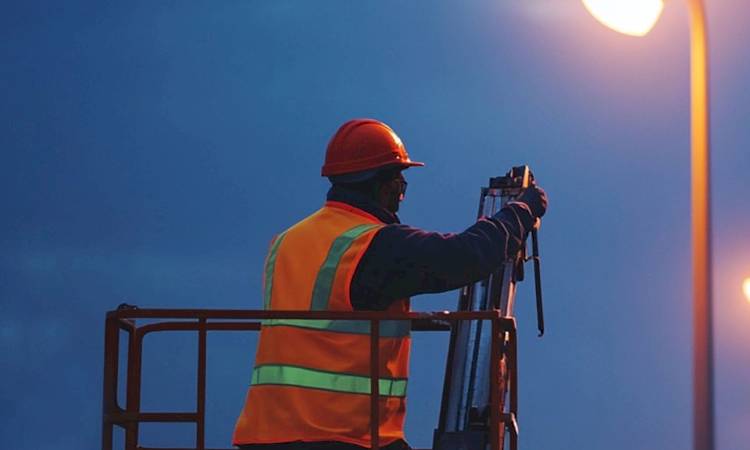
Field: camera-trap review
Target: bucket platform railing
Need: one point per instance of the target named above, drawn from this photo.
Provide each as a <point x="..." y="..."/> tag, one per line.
<point x="503" y="368"/>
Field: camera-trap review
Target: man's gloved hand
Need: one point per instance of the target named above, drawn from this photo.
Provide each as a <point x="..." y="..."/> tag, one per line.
<point x="535" y="198"/>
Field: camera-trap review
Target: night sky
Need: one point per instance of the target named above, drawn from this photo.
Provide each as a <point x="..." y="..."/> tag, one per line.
<point x="151" y="149"/>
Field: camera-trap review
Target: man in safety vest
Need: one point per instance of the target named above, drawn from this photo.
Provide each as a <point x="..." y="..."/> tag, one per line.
<point x="310" y="386"/>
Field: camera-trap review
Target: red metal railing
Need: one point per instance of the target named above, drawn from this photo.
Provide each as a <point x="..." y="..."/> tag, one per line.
<point x="204" y="320"/>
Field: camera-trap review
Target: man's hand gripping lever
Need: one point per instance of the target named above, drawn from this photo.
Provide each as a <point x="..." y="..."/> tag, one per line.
<point x="534" y="199"/>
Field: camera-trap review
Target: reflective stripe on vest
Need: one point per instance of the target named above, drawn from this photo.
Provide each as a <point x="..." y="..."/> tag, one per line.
<point x="330" y="381"/>
<point x="270" y="265"/>
<point x="324" y="281"/>
<point x="388" y="328"/>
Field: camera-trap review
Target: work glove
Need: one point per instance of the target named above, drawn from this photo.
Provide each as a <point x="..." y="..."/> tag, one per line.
<point x="535" y="199"/>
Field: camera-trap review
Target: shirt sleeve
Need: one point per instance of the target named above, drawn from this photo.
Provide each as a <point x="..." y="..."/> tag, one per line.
<point x="403" y="261"/>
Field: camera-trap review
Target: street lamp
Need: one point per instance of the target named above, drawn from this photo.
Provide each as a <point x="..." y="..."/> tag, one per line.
<point x="746" y="288"/>
<point x="633" y="17"/>
<point x="636" y="17"/>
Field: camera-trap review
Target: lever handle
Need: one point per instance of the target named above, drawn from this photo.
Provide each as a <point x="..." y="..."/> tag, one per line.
<point x="537" y="282"/>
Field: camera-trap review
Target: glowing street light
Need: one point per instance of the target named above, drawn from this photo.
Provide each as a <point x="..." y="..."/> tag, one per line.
<point x="636" y="17"/>
<point x="746" y="288"/>
<point x="633" y="17"/>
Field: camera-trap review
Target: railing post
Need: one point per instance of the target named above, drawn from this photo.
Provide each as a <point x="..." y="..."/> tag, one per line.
<point x="512" y="358"/>
<point x="133" y="402"/>
<point x="495" y="379"/>
<point x="375" y="383"/>
<point x="109" y="394"/>
<point x="200" y="433"/>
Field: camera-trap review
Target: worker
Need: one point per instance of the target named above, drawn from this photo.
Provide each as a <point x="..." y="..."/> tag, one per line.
<point x="310" y="386"/>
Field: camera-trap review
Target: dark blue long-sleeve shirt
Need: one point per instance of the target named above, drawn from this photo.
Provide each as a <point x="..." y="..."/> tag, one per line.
<point x="403" y="261"/>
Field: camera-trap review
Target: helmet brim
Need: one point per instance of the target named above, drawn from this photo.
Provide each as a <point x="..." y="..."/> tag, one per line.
<point x="364" y="175"/>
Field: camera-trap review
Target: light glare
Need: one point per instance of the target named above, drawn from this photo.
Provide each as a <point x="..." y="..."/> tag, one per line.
<point x="632" y="17"/>
<point x="746" y="288"/>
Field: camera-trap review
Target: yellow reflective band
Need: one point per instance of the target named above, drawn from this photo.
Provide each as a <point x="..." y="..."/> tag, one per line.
<point x="329" y="381"/>
<point x="388" y="328"/>
<point x="270" y="265"/>
<point x="324" y="281"/>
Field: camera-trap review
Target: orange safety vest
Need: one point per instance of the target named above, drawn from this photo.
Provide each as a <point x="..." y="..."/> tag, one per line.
<point x="311" y="377"/>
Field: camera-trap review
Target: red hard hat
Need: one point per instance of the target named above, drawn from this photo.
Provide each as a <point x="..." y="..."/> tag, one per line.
<point x="364" y="144"/>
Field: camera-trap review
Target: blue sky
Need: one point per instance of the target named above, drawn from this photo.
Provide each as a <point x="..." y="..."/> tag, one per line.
<point x="152" y="148"/>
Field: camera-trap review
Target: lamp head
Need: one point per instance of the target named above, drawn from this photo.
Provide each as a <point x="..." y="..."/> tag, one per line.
<point x="632" y="17"/>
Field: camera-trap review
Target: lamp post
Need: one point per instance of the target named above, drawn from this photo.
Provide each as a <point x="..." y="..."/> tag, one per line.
<point x="636" y="17"/>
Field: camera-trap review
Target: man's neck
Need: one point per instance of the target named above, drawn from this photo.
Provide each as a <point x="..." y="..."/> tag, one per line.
<point x="339" y="193"/>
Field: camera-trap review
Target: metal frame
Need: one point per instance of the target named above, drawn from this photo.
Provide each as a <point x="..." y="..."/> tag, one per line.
<point x="204" y="320"/>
